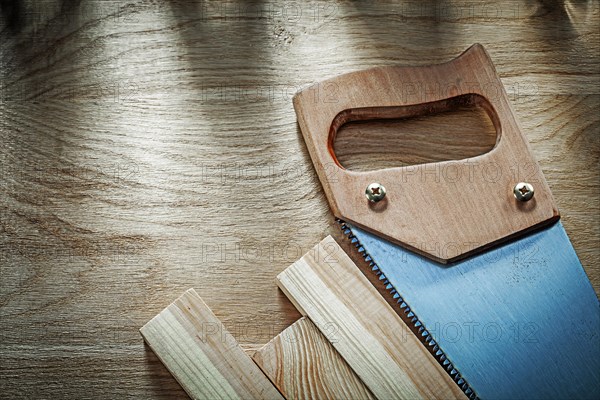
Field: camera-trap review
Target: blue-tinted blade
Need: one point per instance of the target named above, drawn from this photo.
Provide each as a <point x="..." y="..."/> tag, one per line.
<point x="521" y="321"/>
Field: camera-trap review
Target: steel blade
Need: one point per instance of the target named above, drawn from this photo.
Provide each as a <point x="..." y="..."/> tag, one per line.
<point x="519" y="321"/>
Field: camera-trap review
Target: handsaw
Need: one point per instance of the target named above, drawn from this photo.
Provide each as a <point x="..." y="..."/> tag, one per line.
<point x="475" y="256"/>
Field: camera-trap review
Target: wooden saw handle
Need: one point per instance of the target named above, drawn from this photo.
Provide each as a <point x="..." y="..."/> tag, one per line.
<point x="447" y="210"/>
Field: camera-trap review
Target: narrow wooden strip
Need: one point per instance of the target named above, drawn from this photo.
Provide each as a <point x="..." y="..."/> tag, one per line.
<point x="328" y="287"/>
<point x="202" y="355"/>
<point x="303" y="364"/>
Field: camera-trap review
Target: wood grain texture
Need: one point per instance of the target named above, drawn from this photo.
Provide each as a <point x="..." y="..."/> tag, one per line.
<point x="326" y="286"/>
<point x="303" y="364"/>
<point x="141" y="144"/>
<point x="447" y="210"/>
<point x="379" y="144"/>
<point x="202" y="355"/>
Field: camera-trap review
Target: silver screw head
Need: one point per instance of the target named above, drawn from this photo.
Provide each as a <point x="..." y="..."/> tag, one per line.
<point x="523" y="191"/>
<point x="375" y="192"/>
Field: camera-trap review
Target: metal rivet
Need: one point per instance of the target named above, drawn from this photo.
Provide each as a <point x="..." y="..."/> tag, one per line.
<point x="375" y="192"/>
<point x="523" y="191"/>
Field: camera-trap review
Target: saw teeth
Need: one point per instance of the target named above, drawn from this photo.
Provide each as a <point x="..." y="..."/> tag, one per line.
<point x="414" y="320"/>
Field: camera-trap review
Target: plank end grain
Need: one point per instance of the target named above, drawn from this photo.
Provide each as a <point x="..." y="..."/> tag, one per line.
<point x="303" y="365"/>
<point x="202" y="355"/>
<point x="368" y="333"/>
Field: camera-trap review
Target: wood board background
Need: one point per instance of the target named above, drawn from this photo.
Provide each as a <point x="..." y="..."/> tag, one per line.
<point x="147" y="147"/>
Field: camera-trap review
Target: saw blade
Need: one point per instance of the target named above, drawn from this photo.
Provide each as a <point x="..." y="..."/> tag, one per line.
<point x="520" y="321"/>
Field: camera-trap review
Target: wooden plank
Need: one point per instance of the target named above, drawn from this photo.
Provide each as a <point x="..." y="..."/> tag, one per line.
<point x="132" y="164"/>
<point x="327" y="286"/>
<point x="202" y="355"/>
<point x="434" y="198"/>
<point x="303" y="364"/>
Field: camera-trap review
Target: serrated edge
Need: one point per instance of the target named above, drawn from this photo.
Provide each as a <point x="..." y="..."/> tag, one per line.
<point x="409" y="316"/>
